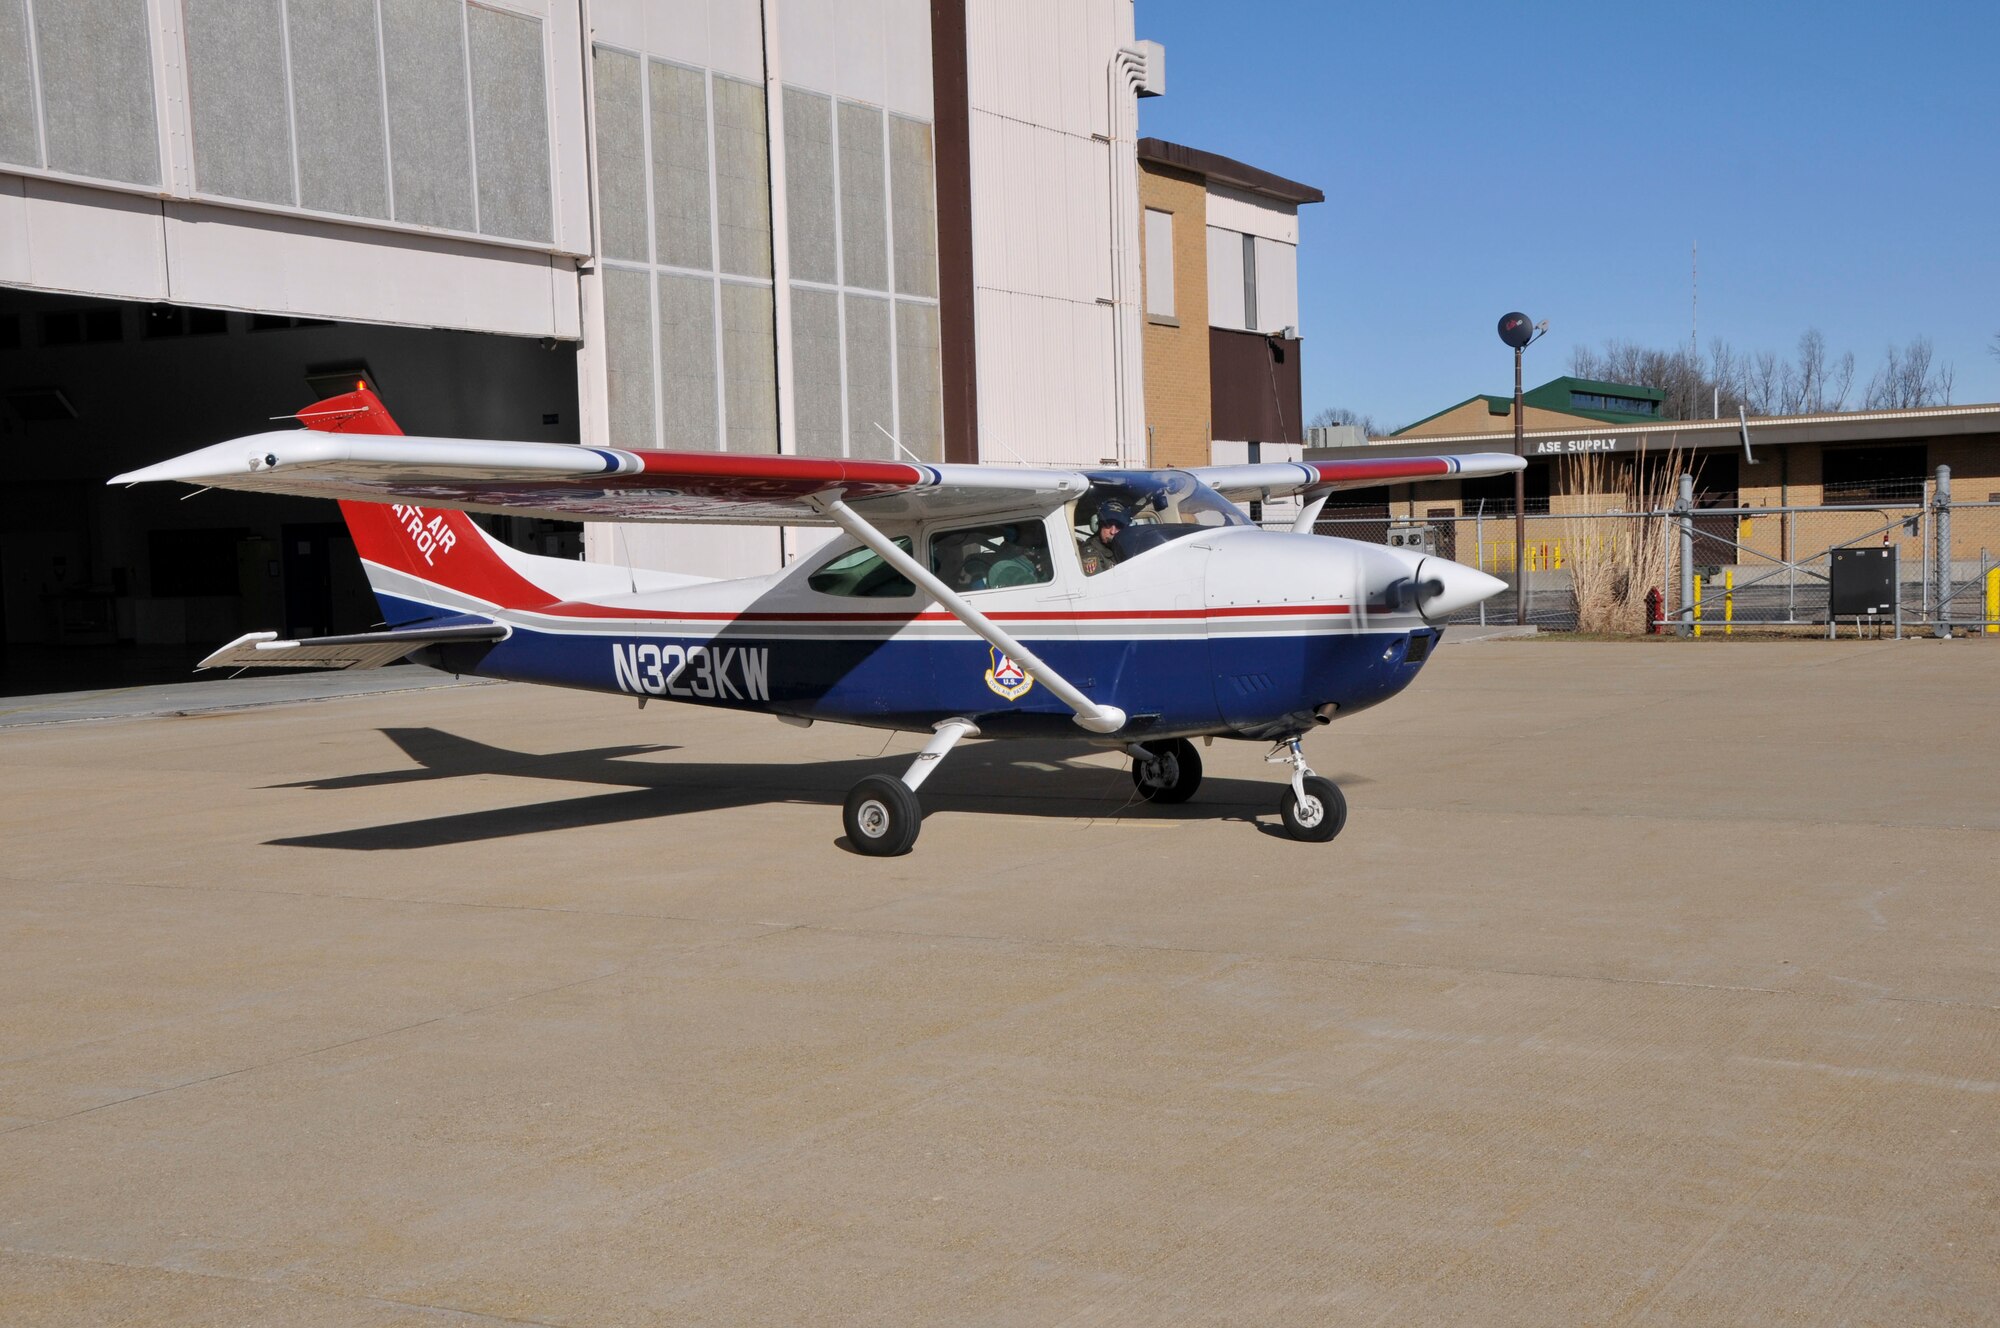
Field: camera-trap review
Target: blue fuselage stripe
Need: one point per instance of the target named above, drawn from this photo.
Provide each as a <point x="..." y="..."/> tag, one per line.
<point x="1179" y="685"/>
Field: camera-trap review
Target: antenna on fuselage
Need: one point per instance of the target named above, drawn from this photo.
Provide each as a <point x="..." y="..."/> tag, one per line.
<point x="1002" y="445"/>
<point x="897" y="443"/>
<point x="631" y="573"/>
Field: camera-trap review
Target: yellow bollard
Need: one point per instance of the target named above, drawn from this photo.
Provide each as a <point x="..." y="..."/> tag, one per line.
<point x="1993" y="601"/>
<point x="1697" y="606"/>
<point x="1559" y="556"/>
<point x="1729" y="602"/>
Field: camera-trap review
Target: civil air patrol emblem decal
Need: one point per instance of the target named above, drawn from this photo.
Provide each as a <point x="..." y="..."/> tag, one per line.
<point x="1005" y="677"/>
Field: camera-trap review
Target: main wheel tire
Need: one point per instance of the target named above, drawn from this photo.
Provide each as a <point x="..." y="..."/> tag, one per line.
<point x="1320" y="817"/>
<point x="1173" y="773"/>
<point x="882" y="817"/>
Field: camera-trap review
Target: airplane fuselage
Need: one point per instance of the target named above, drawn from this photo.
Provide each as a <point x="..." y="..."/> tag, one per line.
<point x="1230" y="632"/>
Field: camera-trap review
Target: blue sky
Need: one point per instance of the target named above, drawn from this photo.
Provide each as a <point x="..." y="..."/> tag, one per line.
<point x="1839" y="164"/>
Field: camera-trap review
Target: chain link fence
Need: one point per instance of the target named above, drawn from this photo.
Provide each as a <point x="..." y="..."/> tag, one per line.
<point x="1721" y="571"/>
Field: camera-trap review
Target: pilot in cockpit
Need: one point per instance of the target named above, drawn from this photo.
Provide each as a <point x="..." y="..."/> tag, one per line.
<point x="1100" y="551"/>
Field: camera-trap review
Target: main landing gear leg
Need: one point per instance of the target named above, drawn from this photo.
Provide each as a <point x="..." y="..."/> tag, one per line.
<point x="882" y="815"/>
<point x="1313" y="808"/>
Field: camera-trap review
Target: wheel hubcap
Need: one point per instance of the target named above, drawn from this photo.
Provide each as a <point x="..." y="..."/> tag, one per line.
<point x="1310" y="811"/>
<point x="874" y="819"/>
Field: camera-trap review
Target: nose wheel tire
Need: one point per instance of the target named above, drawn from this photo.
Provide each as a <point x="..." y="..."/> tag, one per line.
<point x="1320" y="816"/>
<point x="882" y="817"/>
<point x="1171" y="774"/>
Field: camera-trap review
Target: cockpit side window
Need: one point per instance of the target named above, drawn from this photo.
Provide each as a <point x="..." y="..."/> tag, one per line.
<point x="993" y="557"/>
<point x="861" y="574"/>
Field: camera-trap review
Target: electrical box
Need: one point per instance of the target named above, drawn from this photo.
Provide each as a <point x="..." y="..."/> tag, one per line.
<point x="1864" y="582"/>
<point x="1416" y="538"/>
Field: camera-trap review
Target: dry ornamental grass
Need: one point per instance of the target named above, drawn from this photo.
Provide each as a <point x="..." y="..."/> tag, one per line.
<point x="1614" y="561"/>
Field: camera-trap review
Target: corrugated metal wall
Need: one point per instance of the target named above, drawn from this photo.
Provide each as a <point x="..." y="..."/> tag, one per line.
<point x="1043" y="230"/>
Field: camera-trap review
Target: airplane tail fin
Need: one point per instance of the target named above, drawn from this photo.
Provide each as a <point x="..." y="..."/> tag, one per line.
<point x="421" y="562"/>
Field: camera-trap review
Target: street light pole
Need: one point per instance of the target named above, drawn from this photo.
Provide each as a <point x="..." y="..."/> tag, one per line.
<point x="1520" y="501"/>
<point x="1517" y="331"/>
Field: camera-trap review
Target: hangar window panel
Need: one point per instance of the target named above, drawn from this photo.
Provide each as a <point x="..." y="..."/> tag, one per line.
<point x="809" y="185"/>
<point x="816" y="371"/>
<point x="680" y="166"/>
<point x="864" y="235"/>
<point x="749" y="368"/>
<point x="343" y="145"/>
<point x="621" y="155"/>
<point x="919" y="391"/>
<point x="1159" y="263"/>
<point x="870" y="392"/>
<point x="237" y="98"/>
<point x="1250" y="283"/>
<point x="97" y="89"/>
<point x="913" y="194"/>
<point x="687" y="363"/>
<point x="20" y="136"/>
<point x="628" y="357"/>
<point x="510" y="124"/>
<point x="430" y="130"/>
<point x="742" y="179"/>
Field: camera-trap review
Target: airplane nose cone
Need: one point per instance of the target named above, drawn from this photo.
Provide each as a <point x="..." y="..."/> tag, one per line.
<point x="1444" y="587"/>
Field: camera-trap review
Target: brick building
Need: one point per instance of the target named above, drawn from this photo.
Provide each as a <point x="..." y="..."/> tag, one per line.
<point x="1220" y="270"/>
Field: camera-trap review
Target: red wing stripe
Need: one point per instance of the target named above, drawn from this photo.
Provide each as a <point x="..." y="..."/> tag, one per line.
<point x="808" y="470"/>
<point x="1340" y="472"/>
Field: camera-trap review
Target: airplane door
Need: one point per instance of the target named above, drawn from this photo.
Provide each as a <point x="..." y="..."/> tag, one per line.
<point x="1146" y="634"/>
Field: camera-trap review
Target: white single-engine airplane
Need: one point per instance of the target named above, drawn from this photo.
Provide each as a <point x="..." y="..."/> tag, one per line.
<point x="1139" y="606"/>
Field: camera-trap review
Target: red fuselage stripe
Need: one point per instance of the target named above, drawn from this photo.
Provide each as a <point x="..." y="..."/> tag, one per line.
<point x="578" y="610"/>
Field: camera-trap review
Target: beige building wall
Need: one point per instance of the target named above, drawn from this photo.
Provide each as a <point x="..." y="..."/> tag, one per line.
<point x="1176" y="348"/>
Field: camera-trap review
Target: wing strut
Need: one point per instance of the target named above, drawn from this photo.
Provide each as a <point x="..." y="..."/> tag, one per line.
<point x="1308" y="516"/>
<point x="1097" y="718"/>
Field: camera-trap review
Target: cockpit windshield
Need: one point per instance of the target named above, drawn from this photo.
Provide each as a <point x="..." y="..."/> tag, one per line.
<point x="1127" y="512"/>
<point x="1159" y="497"/>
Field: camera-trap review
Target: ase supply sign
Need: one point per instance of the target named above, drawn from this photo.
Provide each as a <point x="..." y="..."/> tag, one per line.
<point x="1567" y="446"/>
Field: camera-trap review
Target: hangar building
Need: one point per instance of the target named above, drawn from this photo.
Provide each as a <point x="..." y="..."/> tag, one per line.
<point x="755" y="225"/>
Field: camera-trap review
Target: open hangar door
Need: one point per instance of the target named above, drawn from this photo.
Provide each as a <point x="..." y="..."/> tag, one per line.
<point x="104" y="587"/>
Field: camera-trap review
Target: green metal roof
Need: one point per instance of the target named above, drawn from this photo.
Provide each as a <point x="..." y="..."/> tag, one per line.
<point x="1555" y="395"/>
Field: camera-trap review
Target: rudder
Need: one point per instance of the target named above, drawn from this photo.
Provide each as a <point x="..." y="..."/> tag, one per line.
<point x="408" y="552"/>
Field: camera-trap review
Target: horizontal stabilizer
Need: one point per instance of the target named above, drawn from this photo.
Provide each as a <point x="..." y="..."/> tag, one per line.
<point x="363" y="650"/>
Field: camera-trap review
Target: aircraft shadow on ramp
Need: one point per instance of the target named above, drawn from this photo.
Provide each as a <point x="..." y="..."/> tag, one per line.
<point x="1016" y="778"/>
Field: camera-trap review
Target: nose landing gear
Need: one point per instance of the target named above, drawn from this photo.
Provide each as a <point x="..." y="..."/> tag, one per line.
<point x="882" y="815"/>
<point x="1313" y="808"/>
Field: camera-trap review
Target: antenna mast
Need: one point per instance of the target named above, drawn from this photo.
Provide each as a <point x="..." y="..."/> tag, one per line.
<point x="1694" y="303"/>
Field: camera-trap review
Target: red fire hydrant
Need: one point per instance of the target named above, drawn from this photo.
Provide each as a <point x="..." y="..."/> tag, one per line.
<point x="1655" y="603"/>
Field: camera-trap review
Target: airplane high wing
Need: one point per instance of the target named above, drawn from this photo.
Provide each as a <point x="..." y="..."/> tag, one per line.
<point x="1276" y="478"/>
<point x="1316" y="480"/>
<point x="352" y="450"/>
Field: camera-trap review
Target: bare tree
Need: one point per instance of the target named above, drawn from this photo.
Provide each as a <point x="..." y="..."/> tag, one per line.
<point x="1765" y="383"/>
<point x="1910" y="377"/>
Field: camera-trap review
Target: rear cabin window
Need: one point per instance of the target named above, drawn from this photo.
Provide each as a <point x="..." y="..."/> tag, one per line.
<point x="861" y="574"/>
